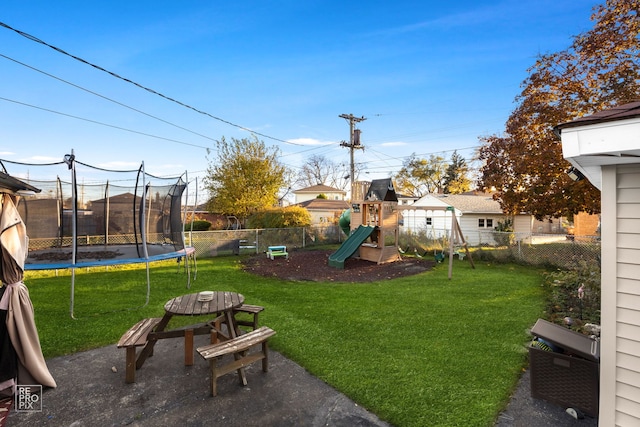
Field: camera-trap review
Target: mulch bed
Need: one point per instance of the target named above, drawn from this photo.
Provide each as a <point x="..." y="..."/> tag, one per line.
<point x="311" y="265"/>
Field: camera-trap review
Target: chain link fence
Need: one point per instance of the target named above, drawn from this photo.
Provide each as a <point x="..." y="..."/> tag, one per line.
<point x="227" y="242"/>
<point x="562" y="251"/>
<point x="558" y="250"/>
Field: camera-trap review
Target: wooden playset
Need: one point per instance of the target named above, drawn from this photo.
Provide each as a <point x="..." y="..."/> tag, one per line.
<point x="377" y="208"/>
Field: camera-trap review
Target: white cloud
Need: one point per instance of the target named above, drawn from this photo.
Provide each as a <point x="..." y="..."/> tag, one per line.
<point x="42" y="159"/>
<point x="308" y="141"/>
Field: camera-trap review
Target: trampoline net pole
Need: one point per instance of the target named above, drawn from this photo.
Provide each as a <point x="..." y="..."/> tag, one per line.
<point x="74" y="229"/>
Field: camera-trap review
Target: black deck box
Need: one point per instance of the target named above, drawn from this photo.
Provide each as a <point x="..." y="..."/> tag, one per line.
<point x="569" y="378"/>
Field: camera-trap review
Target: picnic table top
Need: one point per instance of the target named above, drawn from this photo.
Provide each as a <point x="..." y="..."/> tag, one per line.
<point x="198" y="304"/>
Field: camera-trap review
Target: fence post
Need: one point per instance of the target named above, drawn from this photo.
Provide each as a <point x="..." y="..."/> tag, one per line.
<point x="257" y="242"/>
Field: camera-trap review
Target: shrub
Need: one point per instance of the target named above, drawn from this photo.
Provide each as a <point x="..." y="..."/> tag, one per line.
<point x="291" y="216"/>
<point x="494" y="255"/>
<point x="505" y="236"/>
<point x="575" y="294"/>
<point x="198" y="225"/>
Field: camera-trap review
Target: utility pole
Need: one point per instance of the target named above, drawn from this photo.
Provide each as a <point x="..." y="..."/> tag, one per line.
<point x="354" y="143"/>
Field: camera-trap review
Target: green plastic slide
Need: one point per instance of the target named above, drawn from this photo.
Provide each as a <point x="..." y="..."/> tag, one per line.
<point x="350" y="246"/>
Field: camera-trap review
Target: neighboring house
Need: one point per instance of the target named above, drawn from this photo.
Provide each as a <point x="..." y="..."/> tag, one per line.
<point x="404" y="200"/>
<point x="480" y="217"/>
<point x="605" y="149"/>
<point x="120" y="214"/>
<point x="323" y="211"/>
<point x="585" y="224"/>
<point x="218" y="221"/>
<point x="477" y="214"/>
<point x="314" y="191"/>
<point x="428" y="214"/>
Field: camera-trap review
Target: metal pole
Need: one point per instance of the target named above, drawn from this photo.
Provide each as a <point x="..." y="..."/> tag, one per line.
<point x="74" y="230"/>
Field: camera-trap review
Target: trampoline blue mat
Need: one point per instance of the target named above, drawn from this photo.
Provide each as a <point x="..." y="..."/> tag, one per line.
<point x="106" y="262"/>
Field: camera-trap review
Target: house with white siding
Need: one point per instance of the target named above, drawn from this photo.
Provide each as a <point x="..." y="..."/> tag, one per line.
<point x="605" y="149"/>
<point x="310" y="193"/>
<point x="427" y="214"/>
<point x="325" y="210"/>
<point x="477" y="214"/>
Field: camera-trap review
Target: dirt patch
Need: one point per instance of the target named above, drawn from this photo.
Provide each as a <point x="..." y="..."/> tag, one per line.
<point x="314" y="266"/>
<point x="66" y="256"/>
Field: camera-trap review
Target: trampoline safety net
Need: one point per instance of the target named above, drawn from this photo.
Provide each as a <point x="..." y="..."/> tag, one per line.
<point x="111" y="215"/>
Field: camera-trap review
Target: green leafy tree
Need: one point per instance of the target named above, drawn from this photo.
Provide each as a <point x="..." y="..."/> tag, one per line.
<point x="599" y="70"/>
<point x="244" y="177"/>
<point x="419" y="177"/>
<point x="456" y="180"/>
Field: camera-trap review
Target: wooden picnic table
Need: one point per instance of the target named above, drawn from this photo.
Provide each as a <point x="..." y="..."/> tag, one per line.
<point x="221" y="303"/>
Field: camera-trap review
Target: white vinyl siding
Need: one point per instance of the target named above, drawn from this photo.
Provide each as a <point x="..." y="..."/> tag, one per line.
<point x="476" y="235"/>
<point x="620" y="355"/>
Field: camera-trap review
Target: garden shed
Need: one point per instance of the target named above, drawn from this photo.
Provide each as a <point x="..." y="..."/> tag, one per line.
<point x="605" y="149"/>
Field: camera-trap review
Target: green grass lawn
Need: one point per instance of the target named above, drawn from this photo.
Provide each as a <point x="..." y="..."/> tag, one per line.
<point x="421" y="350"/>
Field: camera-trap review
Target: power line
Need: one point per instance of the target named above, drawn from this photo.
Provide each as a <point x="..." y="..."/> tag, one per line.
<point x="319" y="147"/>
<point x="101" y="123"/>
<point x="105" y="97"/>
<point x="354" y="134"/>
<point x="111" y="73"/>
<point x="402" y="158"/>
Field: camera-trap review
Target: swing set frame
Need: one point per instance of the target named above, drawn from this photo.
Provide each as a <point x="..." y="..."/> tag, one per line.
<point x="456" y="239"/>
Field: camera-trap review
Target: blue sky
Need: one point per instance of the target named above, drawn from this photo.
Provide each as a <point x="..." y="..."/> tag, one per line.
<point x="430" y="77"/>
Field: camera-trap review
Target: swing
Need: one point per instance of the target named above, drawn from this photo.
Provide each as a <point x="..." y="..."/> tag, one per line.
<point x="439" y="257"/>
<point x="460" y="253"/>
<point x="415" y="251"/>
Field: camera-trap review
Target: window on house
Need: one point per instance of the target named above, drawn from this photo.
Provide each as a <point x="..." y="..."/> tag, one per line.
<point x="429" y="221"/>
<point x="485" y="223"/>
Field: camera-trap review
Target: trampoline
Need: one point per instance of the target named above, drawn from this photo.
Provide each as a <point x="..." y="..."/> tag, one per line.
<point x="100" y="217"/>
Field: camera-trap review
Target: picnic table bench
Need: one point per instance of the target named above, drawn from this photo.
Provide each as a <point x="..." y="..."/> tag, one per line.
<point x="253" y="310"/>
<point x="245" y="244"/>
<point x="275" y="251"/>
<point x="238" y="347"/>
<point x="136" y="336"/>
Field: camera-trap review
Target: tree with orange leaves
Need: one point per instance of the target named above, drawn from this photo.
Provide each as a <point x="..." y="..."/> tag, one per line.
<point x="599" y="70"/>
